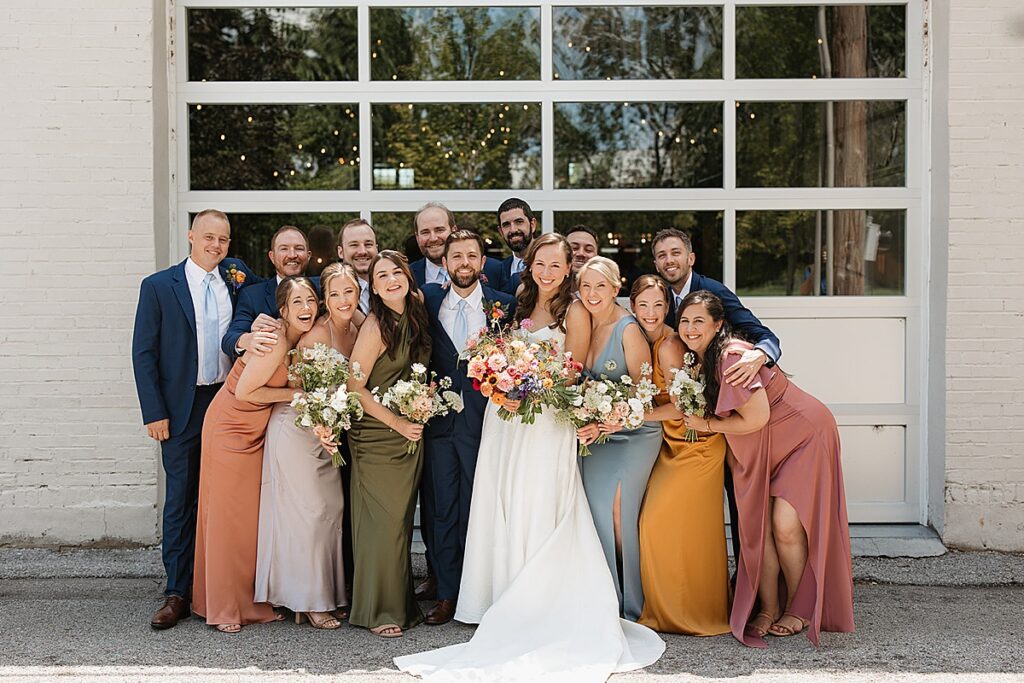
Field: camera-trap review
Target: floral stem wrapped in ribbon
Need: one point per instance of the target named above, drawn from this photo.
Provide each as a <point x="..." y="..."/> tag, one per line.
<point x="620" y="402"/>
<point x="327" y="407"/>
<point x="418" y="399"/>
<point x="687" y="391"/>
<point x="506" y="365"/>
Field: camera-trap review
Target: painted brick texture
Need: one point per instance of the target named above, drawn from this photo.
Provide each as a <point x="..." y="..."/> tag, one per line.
<point x="76" y="225"/>
<point x="984" y="504"/>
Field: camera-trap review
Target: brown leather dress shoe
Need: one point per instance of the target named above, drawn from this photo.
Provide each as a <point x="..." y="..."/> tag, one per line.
<point x="442" y="613"/>
<point x="426" y="590"/>
<point x="174" y="610"/>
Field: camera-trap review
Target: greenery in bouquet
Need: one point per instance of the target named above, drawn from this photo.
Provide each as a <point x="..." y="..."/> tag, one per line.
<point x="687" y="391"/>
<point x="418" y="399"/>
<point x="622" y="403"/>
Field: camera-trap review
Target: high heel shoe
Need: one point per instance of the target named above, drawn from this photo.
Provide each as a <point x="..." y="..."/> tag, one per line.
<point x="328" y="624"/>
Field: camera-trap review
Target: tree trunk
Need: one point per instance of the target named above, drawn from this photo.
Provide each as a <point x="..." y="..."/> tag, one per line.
<point x="850" y="61"/>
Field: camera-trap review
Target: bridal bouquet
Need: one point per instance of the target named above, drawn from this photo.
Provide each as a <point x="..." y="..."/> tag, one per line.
<point x="687" y="391"/>
<point x="620" y="402"/>
<point x="328" y="407"/>
<point x="418" y="399"/>
<point x="506" y="365"/>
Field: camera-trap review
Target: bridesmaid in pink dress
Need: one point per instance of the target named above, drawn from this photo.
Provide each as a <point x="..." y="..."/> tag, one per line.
<point x="794" y="571"/>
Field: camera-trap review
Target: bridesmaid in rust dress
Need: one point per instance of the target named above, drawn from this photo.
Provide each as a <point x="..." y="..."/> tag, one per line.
<point x="794" y="569"/>
<point x="232" y="467"/>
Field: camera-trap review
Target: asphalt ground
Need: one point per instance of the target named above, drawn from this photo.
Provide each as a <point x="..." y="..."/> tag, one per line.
<point x="83" y="616"/>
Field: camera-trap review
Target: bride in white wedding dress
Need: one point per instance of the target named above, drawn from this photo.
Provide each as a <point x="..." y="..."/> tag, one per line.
<point x="534" y="577"/>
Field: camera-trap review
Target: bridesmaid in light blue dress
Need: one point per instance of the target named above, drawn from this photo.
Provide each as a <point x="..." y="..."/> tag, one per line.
<point x="615" y="474"/>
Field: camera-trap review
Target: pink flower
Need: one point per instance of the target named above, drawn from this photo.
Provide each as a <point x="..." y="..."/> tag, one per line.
<point x="422" y="405"/>
<point x="526" y="324"/>
<point x="477" y="368"/>
<point x="497" y="362"/>
<point x="505" y="383"/>
<point x="322" y="432"/>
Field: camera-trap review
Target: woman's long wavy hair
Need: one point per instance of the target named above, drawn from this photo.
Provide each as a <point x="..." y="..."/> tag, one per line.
<point x="527" y="299"/>
<point x="414" y="308"/>
<point x="712" y="354"/>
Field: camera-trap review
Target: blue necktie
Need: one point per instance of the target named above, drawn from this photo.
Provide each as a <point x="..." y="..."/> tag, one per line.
<point x="442" y="277"/>
<point x="211" y="332"/>
<point x="461" y="327"/>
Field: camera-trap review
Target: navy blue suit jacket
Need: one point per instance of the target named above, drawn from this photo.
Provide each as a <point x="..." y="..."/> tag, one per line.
<point x="444" y="358"/>
<point x="740" y="318"/>
<point x="507" y="282"/>
<point x="165" y="355"/>
<point x="253" y="300"/>
<point x="491" y="271"/>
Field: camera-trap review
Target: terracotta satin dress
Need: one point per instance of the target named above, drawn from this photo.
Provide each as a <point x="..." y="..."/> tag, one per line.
<point x="683" y="561"/>
<point x="794" y="457"/>
<point x="229" y="506"/>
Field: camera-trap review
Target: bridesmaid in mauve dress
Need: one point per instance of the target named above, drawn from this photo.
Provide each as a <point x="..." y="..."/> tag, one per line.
<point x="385" y="477"/>
<point x="615" y="474"/>
<point x="232" y="467"/>
<point x="300" y="558"/>
<point x="683" y="560"/>
<point x="794" y="536"/>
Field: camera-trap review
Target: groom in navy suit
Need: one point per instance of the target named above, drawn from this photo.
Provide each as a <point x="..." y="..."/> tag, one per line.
<point x="674" y="259"/>
<point x="517" y="226"/>
<point x="183" y="313"/>
<point x="456" y="312"/>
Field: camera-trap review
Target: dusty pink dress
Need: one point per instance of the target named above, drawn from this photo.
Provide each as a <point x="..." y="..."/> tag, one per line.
<point x="794" y="457"/>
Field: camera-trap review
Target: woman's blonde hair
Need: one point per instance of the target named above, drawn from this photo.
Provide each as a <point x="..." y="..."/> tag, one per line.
<point x="335" y="270"/>
<point x="604" y="267"/>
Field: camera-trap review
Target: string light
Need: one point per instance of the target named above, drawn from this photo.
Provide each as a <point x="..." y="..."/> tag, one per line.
<point x="249" y="119"/>
<point x="336" y="132"/>
<point x="242" y="157"/>
<point x="223" y="137"/>
<point x="300" y="145"/>
<point x="323" y="150"/>
<point x="199" y="106"/>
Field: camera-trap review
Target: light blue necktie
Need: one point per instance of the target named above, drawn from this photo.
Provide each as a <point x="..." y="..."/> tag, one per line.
<point x="461" y="327"/>
<point x="211" y="332"/>
<point x="442" y="277"/>
<point x="518" y="266"/>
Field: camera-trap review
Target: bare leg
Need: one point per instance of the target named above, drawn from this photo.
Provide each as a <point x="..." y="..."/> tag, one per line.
<point x="791" y="546"/>
<point x="617" y="532"/>
<point x="768" y="586"/>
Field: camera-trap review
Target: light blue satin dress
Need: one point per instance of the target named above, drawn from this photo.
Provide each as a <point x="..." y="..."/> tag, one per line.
<point x="625" y="460"/>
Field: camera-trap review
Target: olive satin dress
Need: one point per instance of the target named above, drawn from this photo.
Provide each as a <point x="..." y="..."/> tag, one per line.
<point x="683" y="563"/>
<point x="385" y="480"/>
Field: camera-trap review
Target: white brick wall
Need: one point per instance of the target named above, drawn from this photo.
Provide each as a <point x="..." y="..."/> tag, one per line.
<point x="985" y="340"/>
<point x="76" y="228"/>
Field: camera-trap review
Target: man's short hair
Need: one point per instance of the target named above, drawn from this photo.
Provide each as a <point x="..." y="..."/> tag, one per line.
<point x="286" y="228"/>
<point x="214" y="213"/>
<point x="671" y="232"/>
<point x="584" y="228"/>
<point x="433" y="205"/>
<point x="351" y="224"/>
<point x="461" y="236"/>
<point x="515" y="203"/>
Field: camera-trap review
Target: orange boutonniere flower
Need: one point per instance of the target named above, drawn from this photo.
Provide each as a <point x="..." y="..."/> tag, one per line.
<point x="234" y="277"/>
<point x="495" y="313"/>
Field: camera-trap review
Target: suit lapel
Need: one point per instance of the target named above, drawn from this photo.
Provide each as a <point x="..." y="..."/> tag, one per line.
<point x="434" y="309"/>
<point x="270" y="293"/>
<point x="184" y="296"/>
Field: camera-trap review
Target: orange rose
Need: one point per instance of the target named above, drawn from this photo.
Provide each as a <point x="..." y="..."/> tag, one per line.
<point x="239" y="277"/>
<point x="486" y="389"/>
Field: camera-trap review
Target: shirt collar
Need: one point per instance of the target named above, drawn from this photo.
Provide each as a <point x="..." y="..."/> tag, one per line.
<point x="432" y="270"/>
<point x="474" y="300"/>
<point x="194" y="272"/>
<point x="686" y="287"/>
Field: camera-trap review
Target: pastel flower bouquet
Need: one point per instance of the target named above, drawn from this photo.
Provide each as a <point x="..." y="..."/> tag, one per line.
<point x="418" y="399"/>
<point x="687" y="391"/>
<point x="327" y="408"/>
<point x="621" y="402"/>
<point x="506" y="365"/>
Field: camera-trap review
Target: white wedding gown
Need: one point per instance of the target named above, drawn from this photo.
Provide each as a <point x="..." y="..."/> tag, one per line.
<point x="534" y="575"/>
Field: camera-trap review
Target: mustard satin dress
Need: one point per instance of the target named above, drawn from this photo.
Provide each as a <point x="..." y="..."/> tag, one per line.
<point x="683" y="561"/>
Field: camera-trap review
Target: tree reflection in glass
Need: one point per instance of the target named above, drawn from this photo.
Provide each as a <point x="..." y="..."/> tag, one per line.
<point x="274" y="147"/>
<point x="638" y="144"/>
<point x="272" y="44"/>
<point x="456" y="146"/>
<point x="611" y="43"/>
<point x="454" y="43"/>
<point x="395" y="231"/>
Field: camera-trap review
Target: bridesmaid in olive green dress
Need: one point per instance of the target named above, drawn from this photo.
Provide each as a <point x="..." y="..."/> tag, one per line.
<point x="385" y="477"/>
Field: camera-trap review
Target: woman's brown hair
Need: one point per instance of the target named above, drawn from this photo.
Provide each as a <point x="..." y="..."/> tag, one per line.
<point x="284" y="291"/>
<point x="414" y="308"/>
<point x="712" y="354"/>
<point x="527" y="299"/>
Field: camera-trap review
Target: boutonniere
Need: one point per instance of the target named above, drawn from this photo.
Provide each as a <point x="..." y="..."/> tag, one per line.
<point x="483" y="278"/>
<point x="494" y="312"/>
<point x="234" y="277"/>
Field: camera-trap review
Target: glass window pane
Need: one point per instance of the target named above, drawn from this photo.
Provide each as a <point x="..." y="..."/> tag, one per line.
<point x="638" y="144"/>
<point x="274" y="147"/>
<point x="272" y="44"/>
<point x="394" y="231"/>
<point x="775" y="252"/>
<point x="454" y="43"/>
<point x="625" y="237"/>
<point x="456" y="146"/>
<point x="848" y="41"/>
<point x="251" y="233"/>
<point x="606" y="43"/>
<point x="788" y="144"/>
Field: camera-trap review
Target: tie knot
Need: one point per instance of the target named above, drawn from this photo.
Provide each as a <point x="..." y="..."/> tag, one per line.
<point x="461" y="305"/>
<point x="208" y="278"/>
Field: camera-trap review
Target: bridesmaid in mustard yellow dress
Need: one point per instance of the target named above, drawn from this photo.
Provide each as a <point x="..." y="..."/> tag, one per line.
<point x="683" y="562"/>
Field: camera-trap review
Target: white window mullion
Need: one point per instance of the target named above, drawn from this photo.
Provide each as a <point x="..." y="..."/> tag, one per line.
<point x="365" y="154"/>
<point x="729" y="248"/>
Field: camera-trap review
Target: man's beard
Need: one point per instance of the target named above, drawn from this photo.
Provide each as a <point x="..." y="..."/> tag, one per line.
<point x="464" y="281"/>
<point x="518" y="241"/>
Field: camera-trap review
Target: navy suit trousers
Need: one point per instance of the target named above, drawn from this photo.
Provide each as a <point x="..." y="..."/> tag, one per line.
<point x="180" y="455"/>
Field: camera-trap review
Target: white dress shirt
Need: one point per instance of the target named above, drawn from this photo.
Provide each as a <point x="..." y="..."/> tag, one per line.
<point x="364" y="296"/>
<point x="435" y="274"/>
<point x="194" y="275"/>
<point x="684" y="291"/>
<point x="475" y="315"/>
<point x="517" y="265"/>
